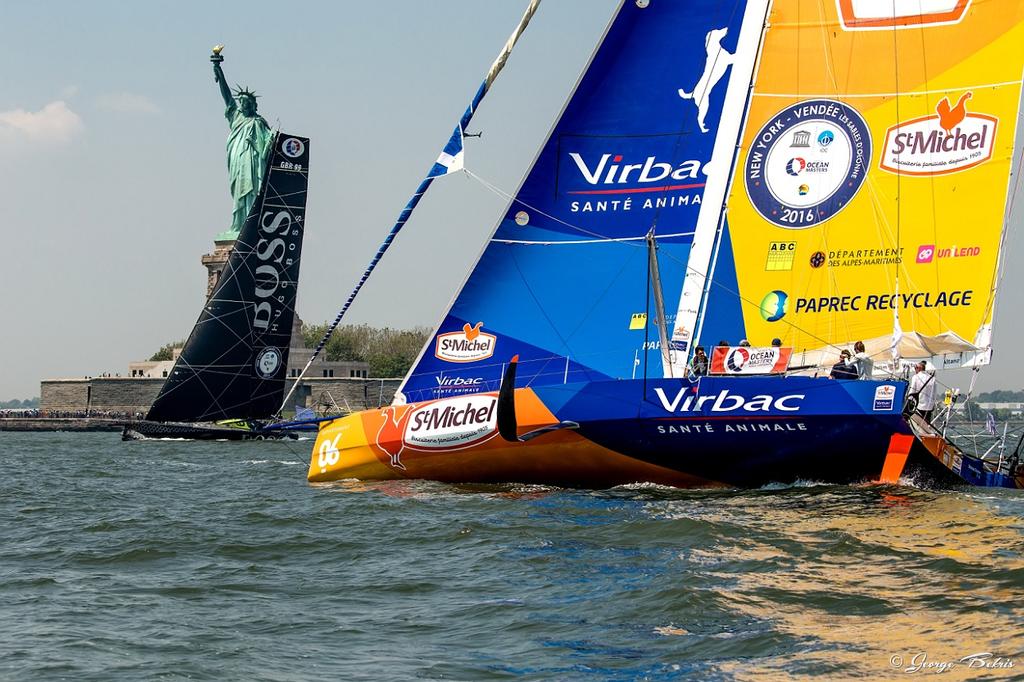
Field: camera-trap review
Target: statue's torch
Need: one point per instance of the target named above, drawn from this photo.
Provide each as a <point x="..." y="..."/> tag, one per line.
<point x="216" y="57"/>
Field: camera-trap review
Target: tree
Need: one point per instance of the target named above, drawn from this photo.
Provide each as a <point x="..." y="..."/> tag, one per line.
<point x="26" y="404"/>
<point x="166" y="351"/>
<point x="390" y="352"/>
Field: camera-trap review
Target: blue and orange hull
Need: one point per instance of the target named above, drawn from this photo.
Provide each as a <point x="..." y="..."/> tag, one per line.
<point x="718" y="431"/>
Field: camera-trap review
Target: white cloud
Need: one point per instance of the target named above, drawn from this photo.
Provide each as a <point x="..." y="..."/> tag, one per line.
<point x="54" y="123"/>
<point x="127" y="103"/>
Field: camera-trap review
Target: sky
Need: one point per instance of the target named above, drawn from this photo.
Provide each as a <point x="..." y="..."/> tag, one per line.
<point x="113" y="166"/>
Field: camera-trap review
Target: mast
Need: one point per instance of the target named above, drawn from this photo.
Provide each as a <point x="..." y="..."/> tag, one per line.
<point x="700" y="268"/>
<point x="659" y="303"/>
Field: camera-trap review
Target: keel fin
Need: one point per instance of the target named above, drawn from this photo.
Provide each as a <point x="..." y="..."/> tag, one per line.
<point x="508" y="424"/>
<point x="896" y="458"/>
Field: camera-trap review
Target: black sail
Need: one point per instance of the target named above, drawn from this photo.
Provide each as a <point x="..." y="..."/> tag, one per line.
<point x="234" y="363"/>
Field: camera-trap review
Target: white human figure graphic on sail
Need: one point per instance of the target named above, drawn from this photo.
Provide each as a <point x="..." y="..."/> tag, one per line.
<point x="718" y="62"/>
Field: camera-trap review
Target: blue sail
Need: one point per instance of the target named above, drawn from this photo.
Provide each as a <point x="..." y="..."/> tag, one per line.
<point x="564" y="282"/>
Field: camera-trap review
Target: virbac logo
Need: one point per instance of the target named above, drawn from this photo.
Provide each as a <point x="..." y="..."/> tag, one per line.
<point x="773" y="306"/>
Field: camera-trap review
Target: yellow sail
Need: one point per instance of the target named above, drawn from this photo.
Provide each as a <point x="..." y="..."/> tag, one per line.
<point x="871" y="186"/>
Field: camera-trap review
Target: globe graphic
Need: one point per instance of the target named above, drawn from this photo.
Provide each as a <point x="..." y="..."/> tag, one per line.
<point x="773" y="306"/>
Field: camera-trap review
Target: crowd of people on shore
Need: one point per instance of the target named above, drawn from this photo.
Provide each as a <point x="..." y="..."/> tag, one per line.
<point x="37" y="413"/>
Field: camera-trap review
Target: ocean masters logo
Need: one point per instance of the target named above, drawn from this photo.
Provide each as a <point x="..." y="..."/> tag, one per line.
<point x="800" y="190"/>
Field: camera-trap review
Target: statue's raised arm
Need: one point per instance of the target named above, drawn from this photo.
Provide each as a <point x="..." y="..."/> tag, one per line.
<point x="248" y="146"/>
<point x="218" y="76"/>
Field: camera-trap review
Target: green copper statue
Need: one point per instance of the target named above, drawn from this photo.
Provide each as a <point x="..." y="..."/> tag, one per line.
<point x="248" y="145"/>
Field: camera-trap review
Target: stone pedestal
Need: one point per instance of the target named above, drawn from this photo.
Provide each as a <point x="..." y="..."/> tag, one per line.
<point x="216" y="261"/>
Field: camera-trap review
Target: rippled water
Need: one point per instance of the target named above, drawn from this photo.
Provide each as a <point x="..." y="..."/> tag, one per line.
<point x="217" y="561"/>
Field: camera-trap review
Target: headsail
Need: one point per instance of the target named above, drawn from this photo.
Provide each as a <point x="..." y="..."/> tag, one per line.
<point x="234" y="362"/>
<point x="564" y="281"/>
<point x="868" y="201"/>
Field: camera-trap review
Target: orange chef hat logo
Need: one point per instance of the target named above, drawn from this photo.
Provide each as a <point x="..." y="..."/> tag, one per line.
<point x="472" y="332"/>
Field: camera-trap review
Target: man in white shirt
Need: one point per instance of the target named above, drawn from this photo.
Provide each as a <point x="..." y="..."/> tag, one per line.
<point x="862" y="362"/>
<point x="922" y="385"/>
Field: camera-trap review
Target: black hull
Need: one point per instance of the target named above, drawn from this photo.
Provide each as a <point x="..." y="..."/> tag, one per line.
<point x="147" y="430"/>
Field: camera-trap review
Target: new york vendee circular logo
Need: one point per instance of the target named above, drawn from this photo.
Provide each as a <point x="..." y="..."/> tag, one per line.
<point x="807" y="163"/>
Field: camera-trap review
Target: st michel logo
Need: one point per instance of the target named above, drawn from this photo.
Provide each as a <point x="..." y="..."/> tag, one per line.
<point x="467" y="345"/>
<point x="952" y="140"/>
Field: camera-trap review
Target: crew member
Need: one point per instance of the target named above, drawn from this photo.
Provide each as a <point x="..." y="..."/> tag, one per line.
<point x="922" y="385"/>
<point x="699" y="363"/>
<point x="843" y="369"/>
<point x="863" y="363"/>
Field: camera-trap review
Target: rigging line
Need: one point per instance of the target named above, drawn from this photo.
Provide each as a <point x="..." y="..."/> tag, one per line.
<point x="897" y="327"/>
<point x="513" y="199"/>
<point x="647" y="322"/>
<point x="933" y="179"/>
<point x="829" y="57"/>
<point x="740" y="298"/>
<point x="529" y="242"/>
<point x="997" y="276"/>
<point x="597" y="300"/>
<point x="879" y="95"/>
<point x="586" y="316"/>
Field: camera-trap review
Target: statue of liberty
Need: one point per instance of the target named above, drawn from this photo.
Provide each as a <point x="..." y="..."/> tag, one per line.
<point x="248" y="146"/>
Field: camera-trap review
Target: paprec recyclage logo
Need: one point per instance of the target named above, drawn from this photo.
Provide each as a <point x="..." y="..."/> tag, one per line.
<point x="774" y="306"/>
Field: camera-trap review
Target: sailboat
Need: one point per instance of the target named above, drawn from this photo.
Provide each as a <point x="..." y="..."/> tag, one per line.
<point x="772" y="181"/>
<point x="229" y="379"/>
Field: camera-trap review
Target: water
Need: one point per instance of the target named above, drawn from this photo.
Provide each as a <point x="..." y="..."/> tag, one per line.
<point x="217" y="561"/>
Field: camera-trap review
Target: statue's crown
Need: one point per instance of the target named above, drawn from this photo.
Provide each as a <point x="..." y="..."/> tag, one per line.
<point x="245" y="92"/>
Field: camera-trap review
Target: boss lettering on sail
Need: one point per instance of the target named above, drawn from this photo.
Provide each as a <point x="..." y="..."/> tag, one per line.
<point x="271" y="277"/>
<point x="452" y="424"/>
<point x="467" y="345"/>
<point x="807" y="163"/>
